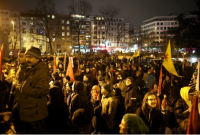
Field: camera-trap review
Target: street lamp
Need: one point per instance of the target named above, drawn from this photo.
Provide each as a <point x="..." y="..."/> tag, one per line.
<point x="13" y="23"/>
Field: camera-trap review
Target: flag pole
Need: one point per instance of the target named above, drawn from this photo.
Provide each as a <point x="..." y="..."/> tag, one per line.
<point x="171" y="80"/>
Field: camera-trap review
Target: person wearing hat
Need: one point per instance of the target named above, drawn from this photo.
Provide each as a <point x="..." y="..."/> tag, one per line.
<point x="33" y="93"/>
<point x="131" y="96"/>
<point x="108" y="110"/>
<point x="132" y="124"/>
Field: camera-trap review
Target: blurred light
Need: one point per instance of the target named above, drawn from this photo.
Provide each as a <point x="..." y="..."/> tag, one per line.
<point x="181" y="59"/>
<point x="70" y="47"/>
<point x="151" y="55"/>
<point x="193" y="59"/>
<point x="193" y="51"/>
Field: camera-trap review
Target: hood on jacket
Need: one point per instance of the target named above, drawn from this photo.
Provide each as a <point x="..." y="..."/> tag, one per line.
<point x="135" y="124"/>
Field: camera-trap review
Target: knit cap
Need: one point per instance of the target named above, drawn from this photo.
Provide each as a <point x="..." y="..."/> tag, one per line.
<point x="107" y="87"/>
<point x="33" y="51"/>
<point x="135" y="124"/>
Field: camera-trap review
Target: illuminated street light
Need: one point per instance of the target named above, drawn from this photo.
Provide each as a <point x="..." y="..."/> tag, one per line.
<point x="70" y="47"/>
<point x="13" y="23"/>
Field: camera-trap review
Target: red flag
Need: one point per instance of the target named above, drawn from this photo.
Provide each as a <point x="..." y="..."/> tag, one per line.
<point x="1" y="58"/>
<point x="70" y="70"/>
<point x="193" y="118"/>
<point x="54" y="64"/>
<point x="160" y="81"/>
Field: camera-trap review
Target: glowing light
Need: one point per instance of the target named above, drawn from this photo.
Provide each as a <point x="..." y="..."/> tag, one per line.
<point x="194" y="59"/>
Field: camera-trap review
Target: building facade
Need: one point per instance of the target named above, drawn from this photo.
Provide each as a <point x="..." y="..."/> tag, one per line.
<point x="9" y="25"/>
<point x="111" y="34"/>
<point x="81" y="33"/>
<point x="154" y="30"/>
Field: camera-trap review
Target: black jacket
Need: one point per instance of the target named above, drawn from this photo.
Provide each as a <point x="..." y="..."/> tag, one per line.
<point x="155" y="120"/>
<point x="131" y="98"/>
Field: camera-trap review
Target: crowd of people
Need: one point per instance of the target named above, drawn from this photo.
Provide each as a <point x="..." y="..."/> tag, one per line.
<point x="108" y="95"/>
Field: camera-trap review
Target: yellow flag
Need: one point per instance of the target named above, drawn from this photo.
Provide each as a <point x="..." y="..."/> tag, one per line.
<point x="137" y="53"/>
<point x="168" y="63"/>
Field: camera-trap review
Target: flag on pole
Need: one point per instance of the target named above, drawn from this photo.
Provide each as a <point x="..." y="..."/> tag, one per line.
<point x="1" y="58"/>
<point x="70" y="70"/>
<point x="160" y="81"/>
<point x="137" y="53"/>
<point x="193" y="118"/>
<point x="54" y="64"/>
<point x="65" y="60"/>
<point x="168" y="63"/>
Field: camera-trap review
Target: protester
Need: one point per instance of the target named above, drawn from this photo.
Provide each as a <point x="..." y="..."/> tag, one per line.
<point x="32" y="93"/>
<point x="132" y="124"/>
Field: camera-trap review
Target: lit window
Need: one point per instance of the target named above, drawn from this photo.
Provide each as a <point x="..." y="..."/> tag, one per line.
<point x="32" y="39"/>
<point x="24" y="39"/>
<point x="48" y="16"/>
<point x="63" y="21"/>
<point x="68" y="33"/>
<point x="53" y="16"/>
<point x="67" y="22"/>
<point x="63" y="27"/>
<point x="31" y="23"/>
<point x="63" y="34"/>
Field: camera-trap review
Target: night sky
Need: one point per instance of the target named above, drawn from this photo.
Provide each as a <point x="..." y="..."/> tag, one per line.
<point x="134" y="11"/>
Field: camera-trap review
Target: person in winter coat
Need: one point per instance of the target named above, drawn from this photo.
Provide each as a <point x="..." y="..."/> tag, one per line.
<point x="56" y="108"/>
<point x="96" y="102"/>
<point x="182" y="105"/>
<point x="108" y="110"/>
<point x="152" y="117"/>
<point x="171" y="100"/>
<point x="187" y="74"/>
<point x="132" y="124"/>
<point x="80" y="124"/>
<point x="121" y="84"/>
<point x="120" y="109"/>
<point x="68" y="93"/>
<point x="150" y="78"/>
<point x="19" y="79"/>
<point x="125" y="72"/>
<point x="33" y="93"/>
<point x="87" y="85"/>
<point x="131" y="96"/>
<point x="166" y="86"/>
<point x="79" y="100"/>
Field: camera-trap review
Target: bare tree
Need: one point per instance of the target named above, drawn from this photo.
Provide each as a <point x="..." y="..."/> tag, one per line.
<point x="84" y="7"/>
<point x="108" y="12"/>
<point x="73" y="7"/>
<point x="46" y="21"/>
